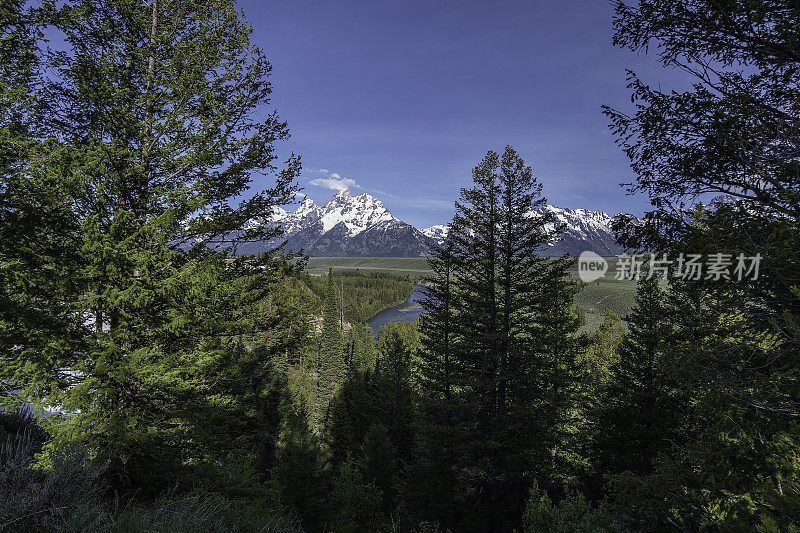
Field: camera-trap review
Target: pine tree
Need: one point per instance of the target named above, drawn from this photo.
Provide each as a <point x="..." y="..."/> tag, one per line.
<point x="38" y="234"/>
<point x="635" y="414"/>
<point x="603" y="351"/>
<point x="393" y="390"/>
<point x="155" y="120"/>
<point x="439" y="434"/>
<point x="541" y="349"/>
<point x="332" y="369"/>
<point x="250" y="395"/>
<point x="361" y="352"/>
<point x="298" y="482"/>
<point x="730" y="133"/>
<point x="356" y="504"/>
<point x="508" y="355"/>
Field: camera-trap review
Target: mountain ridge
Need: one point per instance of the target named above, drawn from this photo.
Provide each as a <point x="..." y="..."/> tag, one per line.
<point x="362" y="226"/>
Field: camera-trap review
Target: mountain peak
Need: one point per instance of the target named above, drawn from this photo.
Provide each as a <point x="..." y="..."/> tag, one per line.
<point x="306" y="207"/>
<point x="361" y="225"/>
<point x="437" y="232"/>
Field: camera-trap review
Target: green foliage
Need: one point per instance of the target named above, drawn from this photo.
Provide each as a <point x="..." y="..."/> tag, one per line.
<point x="298" y="482"/>
<point x="361" y="352"/>
<point x="604" y="296"/>
<point x="205" y="383"/>
<point x="603" y="351"/>
<point x="372" y="419"/>
<point x="68" y="497"/>
<point x="640" y="412"/>
<point x="729" y="347"/>
<point x="500" y="350"/>
<point x="132" y="223"/>
<point x="332" y="368"/>
<point x="594" y="299"/>
<point x="357" y="503"/>
<point x="394" y="393"/>
<point x="573" y="514"/>
<point x="364" y="293"/>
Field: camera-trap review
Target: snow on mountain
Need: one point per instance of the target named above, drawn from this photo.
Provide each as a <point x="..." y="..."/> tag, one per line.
<point x="582" y="230"/>
<point x="438" y="232"/>
<point x="361" y="226"/>
<point x="356" y="213"/>
<point x="580" y="221"/>
<point x="347" y="225"/>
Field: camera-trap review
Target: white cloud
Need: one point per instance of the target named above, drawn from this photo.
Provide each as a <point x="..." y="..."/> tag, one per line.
<point x="335" y="184"/>
<point x="335" y="176"/>
<point x="325" y="171"/>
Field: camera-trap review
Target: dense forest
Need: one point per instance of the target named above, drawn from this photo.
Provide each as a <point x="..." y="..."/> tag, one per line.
<point x="152" y="378"/>
<point x="363" y="294"/>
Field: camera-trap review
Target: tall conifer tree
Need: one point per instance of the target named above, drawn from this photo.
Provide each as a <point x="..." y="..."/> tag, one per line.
<point x="735" y="341"/>
<point x="634" y="412"/>
<point x="510" y="340"/>
<point x="157" y="121"/>
<point x="332" y="368"/>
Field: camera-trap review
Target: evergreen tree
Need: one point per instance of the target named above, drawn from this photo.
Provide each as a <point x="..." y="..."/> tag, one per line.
<point x="603" y="351"/>
<point x="381" y="466"/>
<point x="249" y="395"/>
<point x="439" y="434"/>
<point x="727" y="135"/>
<point x="38" y="235"/>
<point x="351" y="412"/>
<point x="356" y="503"/>
<point x="561" y="350"/>
<point x="393" y="389"/>
<point x="509" y="360"/>
<point x="361" y="352"/>
<point x="636" y="417"/>
<point x="298" y="480"/>
<point x="371" y="417"/>
<point x="733" y="343"/>
<point x="155" y="124"/>
<point x="353" y="408"/>
<point x="331" y="369"/>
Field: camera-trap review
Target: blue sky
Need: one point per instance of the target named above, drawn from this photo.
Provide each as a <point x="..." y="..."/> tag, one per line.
<point x="403" y="98"/>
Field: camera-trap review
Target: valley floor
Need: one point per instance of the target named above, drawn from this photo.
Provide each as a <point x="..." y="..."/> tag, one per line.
<point x="595" y="299"/>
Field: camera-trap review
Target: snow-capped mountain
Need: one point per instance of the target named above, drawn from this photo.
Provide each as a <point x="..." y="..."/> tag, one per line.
<point x="347" y="226"/>
<point x="437" y="232"/>
<point x="361" y="226"/>
<point x="582" y="230"/>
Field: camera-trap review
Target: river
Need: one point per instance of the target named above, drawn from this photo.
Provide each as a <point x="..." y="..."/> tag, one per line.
<point x="393" y="314"/>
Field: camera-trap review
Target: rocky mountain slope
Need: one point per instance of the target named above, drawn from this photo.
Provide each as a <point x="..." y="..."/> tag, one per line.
<point x="361" y="226"/>
<point x="348" y="226"/>
<point x="582" y="230"/>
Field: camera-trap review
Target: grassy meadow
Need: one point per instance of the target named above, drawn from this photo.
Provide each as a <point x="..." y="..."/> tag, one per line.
<point x="413" y="267"/>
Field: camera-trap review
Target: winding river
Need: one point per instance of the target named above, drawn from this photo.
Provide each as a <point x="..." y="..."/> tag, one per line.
<point x="399" y="312"/>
